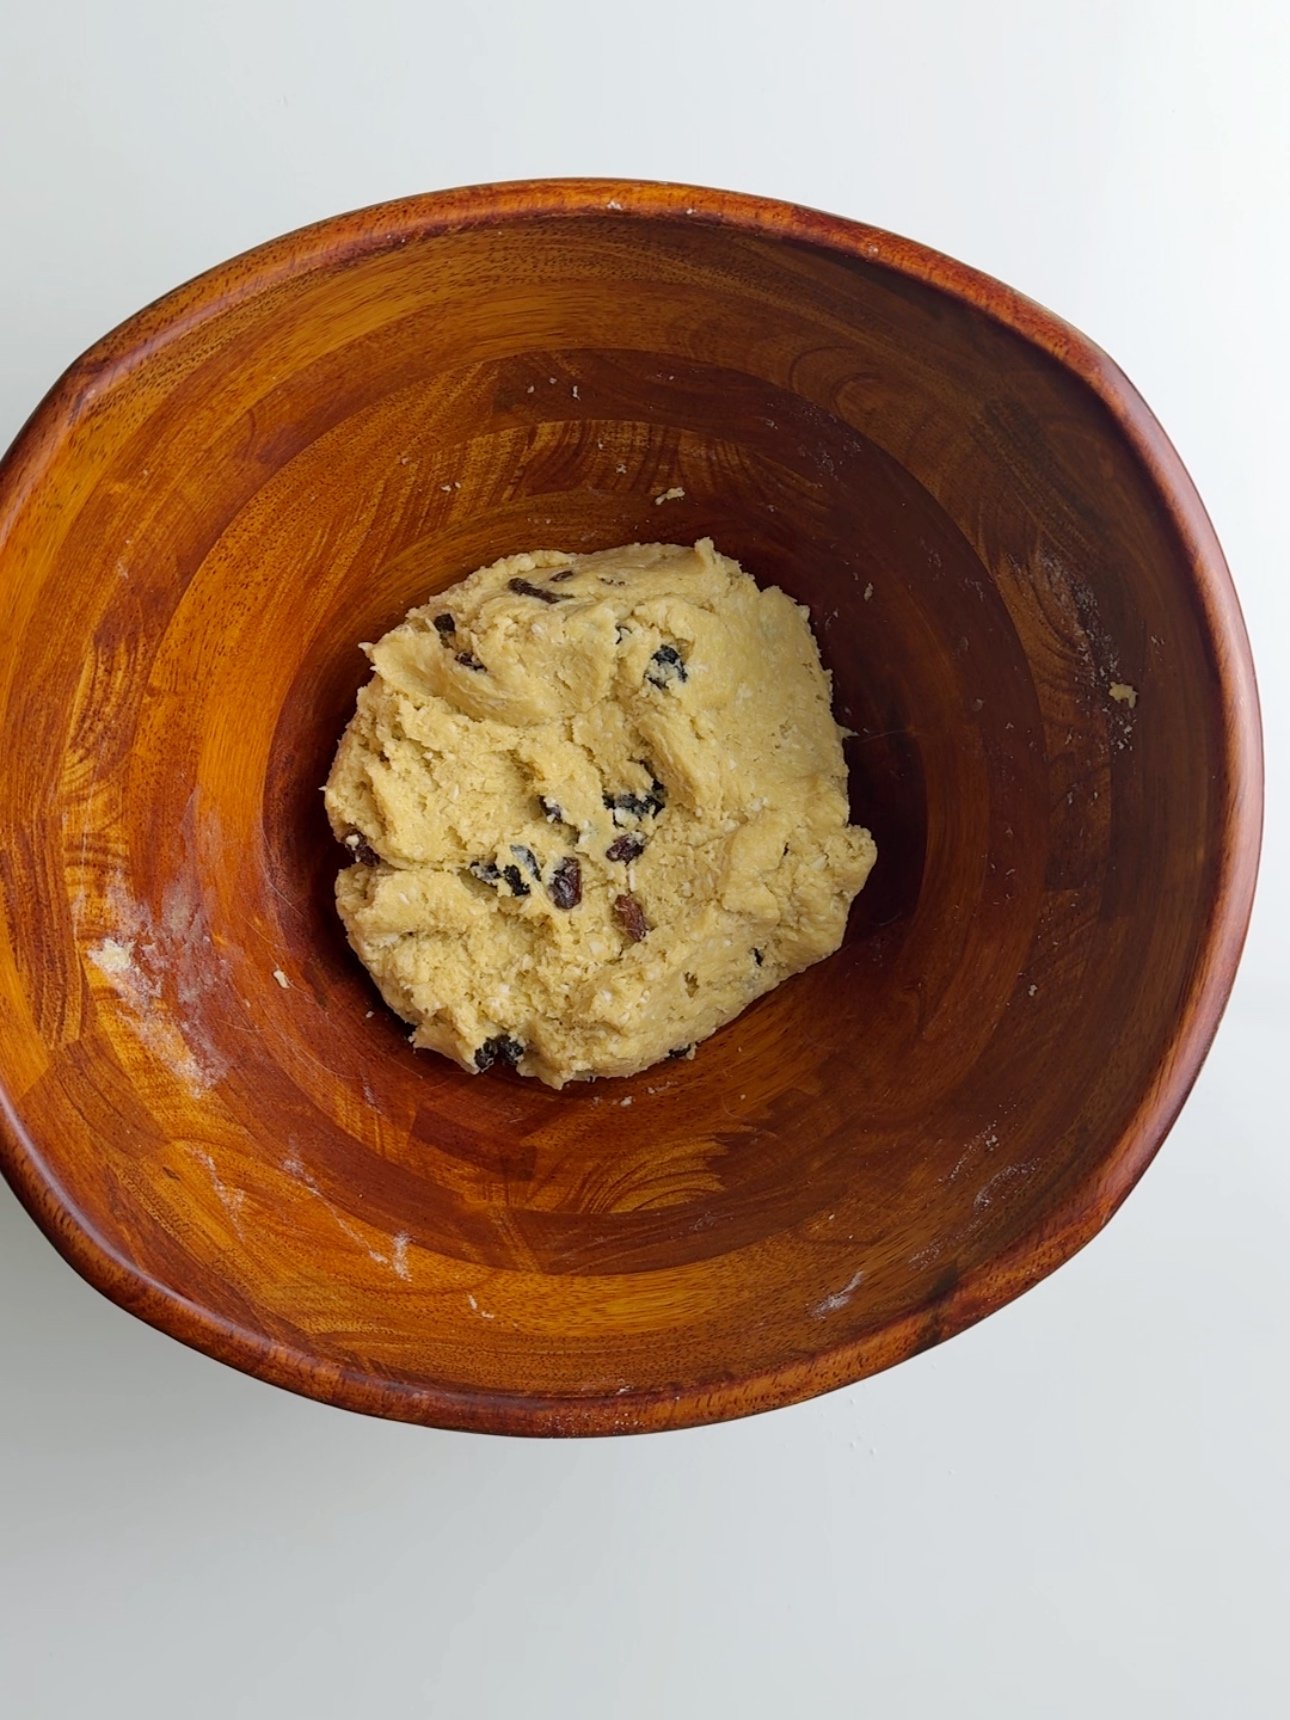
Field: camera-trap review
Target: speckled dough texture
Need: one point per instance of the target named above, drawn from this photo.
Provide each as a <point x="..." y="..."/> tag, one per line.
<point x="597" y="805"/>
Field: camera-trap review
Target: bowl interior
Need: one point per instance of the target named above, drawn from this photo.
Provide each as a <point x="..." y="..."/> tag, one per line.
<point x="251" y="482"/>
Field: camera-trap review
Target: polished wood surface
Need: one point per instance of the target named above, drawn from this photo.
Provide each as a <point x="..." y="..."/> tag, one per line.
<point x="1031" y="631"/>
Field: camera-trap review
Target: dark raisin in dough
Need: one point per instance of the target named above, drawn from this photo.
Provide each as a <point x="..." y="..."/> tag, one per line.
<point x="489" y="873"/>
<point x="625" y="847"/>
<point x="526" y="588"/>
<point x="361" y="850"/>
<point x="630" y="917"/>
<point x="565" y="888"/>
<point x="639" y="805"/>
<point x="666" y="666"/>
<point x="500" y="1049"/>
<point x="635" y="805"/>
<point x="444" y="623"/>
<point x="527" y="858"/>
<point x="468" y="660"/>
<point x="515" y="879"/>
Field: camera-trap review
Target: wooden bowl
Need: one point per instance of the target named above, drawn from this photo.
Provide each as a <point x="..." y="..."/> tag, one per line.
<point x="1031" y="630"/>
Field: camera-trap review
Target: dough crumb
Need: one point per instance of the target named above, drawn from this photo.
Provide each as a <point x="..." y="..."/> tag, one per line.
<point x="675" y="494"/>
<point x="572" y="848"/>
<point x="868" y="591"/>
<point x="282" y="979"/>
<point x="1123" y="694"/>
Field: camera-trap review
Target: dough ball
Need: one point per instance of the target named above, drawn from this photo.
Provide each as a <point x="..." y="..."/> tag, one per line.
<point x="596" y="805"/>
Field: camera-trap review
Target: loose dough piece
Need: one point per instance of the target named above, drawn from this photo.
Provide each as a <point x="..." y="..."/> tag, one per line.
<point x="598" y="805"/>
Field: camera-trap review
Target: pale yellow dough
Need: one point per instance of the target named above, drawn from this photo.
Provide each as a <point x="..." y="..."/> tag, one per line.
<point x="655" y="674"/>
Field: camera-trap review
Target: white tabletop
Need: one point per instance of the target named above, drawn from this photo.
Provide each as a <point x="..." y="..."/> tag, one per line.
<point x="1078" y="1508"/>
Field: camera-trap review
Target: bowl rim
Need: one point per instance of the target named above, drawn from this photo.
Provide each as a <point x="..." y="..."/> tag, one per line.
<point x="377" y="228"/>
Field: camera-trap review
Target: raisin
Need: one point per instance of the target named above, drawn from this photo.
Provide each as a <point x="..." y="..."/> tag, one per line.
<point x="626" y="847"/>
<point x="666" y="666"/>
<point x="630" y="917"/>
<point x="758" y="957"/>
<point x="565" y="888"/>
<point x="488" y="872"/>
<point x="656" y="799"/>
<point x="361" y="850"/>
<point x="527" y="858"/>
<point x="500" y="1049"/>
<point x="526" y="588"/>
<point x="639" y="805"/>
<point x="468" y="660"/>
<point x="564" y="573"/>
<point x="681" y="1051"/>
<point x="444" y="623"/>
<point x="515" y="879"/>
<point x="551" y="810"/>
<point x="635" y="804"/>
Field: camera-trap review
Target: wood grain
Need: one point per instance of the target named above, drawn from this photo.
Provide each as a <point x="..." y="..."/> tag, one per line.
<point x="215" y="505"/>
